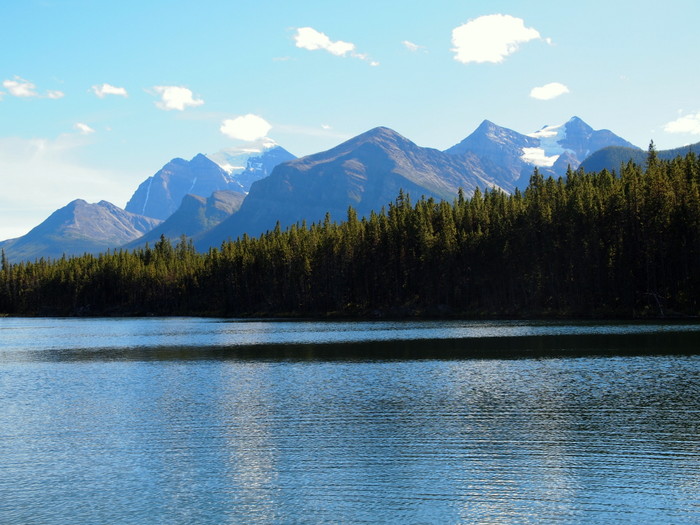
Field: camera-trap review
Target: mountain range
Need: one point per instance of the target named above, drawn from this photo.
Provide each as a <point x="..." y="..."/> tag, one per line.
<point x="160" y="195"/>
<point x="78" y="228"/>
<point x="366" y="172"/>
<point x="195" y="216"/>
<point x="511" y="157"/>
<point x="220" y="196"/>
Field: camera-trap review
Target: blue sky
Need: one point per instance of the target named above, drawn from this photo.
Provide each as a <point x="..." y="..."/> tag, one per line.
<point x="95" y="96"/>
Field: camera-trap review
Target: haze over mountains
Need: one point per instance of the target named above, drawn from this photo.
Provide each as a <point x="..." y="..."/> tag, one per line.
<point x="221" y="196"/>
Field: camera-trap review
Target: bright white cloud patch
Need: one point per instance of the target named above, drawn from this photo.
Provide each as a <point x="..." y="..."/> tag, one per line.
<point x="18" y="87"/>
<point x="248" y="127"/>
<point x="686" y="124"/>
<point x="83" y="128"/>
<point x="490" y="38"/>
<point x="549" y="91"/>
<point x="107" y="89"/>
<point x="309" y="38"/>
<point x="312" y="40"/>
<point x="176" y="97"/>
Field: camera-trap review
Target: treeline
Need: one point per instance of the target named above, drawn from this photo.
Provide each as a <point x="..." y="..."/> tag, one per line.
<point x="590" y="244"/>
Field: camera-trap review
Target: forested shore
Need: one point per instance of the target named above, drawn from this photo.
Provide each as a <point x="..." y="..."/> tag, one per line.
<point x="598" y="245"/>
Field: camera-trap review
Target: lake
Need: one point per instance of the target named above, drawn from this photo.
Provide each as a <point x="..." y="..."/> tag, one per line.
<point x="185" y="420"/>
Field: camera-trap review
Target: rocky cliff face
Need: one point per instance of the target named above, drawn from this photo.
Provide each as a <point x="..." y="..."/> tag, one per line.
<point x="160" y="195"/>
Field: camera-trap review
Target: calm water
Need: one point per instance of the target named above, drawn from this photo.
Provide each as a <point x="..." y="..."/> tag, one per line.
<point x="210" y="421"/>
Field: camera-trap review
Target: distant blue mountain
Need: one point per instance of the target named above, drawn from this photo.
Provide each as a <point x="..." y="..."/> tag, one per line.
<point x="195" y="216"/>
<point x="510" y="157"/>
<point x="79" y="228"/>
<point x="366" y="172"/>
<point x="160" y="195"/>
<point x="233" y="170"/>
<point x="250" y="164"/>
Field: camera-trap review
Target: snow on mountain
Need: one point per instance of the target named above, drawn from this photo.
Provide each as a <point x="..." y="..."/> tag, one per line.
<point x="366" y="172"/>
<point x="510" y="157"/>
<point x="250" y="163"/>
<point x="234" y="160"/>
<point x="160" y="195"/>
<point x="550" y="148"/>
<point x="575" y="140"/>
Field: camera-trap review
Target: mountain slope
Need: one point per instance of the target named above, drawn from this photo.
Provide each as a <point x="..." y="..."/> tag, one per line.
<point x="501" y="152"/>
<point x="613" y="157"/>
<point x="510" y="157"/>
<point x="160" y="195"/>
<point x="79" y="228"/>
<point x="195" y="216"/>
<point x="365" y="172"/>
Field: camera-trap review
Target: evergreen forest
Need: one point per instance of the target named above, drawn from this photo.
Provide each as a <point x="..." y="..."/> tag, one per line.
<point x="602" y="244"/>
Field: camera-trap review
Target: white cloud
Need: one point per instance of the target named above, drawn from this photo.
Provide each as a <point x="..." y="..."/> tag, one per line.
<point x="549" y="91"/>
<point x="107" y="89"/>
<point x="20" y="87"/>
<point x="490" y="38"/>
<point x="312" y="40"/>
<point x="686" y="124"/>
<point x="309" y="38"/>
<point x="326" y="126"/>
<point x="176" y="97"/>
<point x="83" y="128"/>
<point x="248" y="127"/>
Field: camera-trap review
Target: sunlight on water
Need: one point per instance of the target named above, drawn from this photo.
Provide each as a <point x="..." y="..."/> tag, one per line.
<point x="180" y="439"/>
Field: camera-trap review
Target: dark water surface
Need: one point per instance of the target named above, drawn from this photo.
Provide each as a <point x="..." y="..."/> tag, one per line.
<point x="212" y="421"/>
